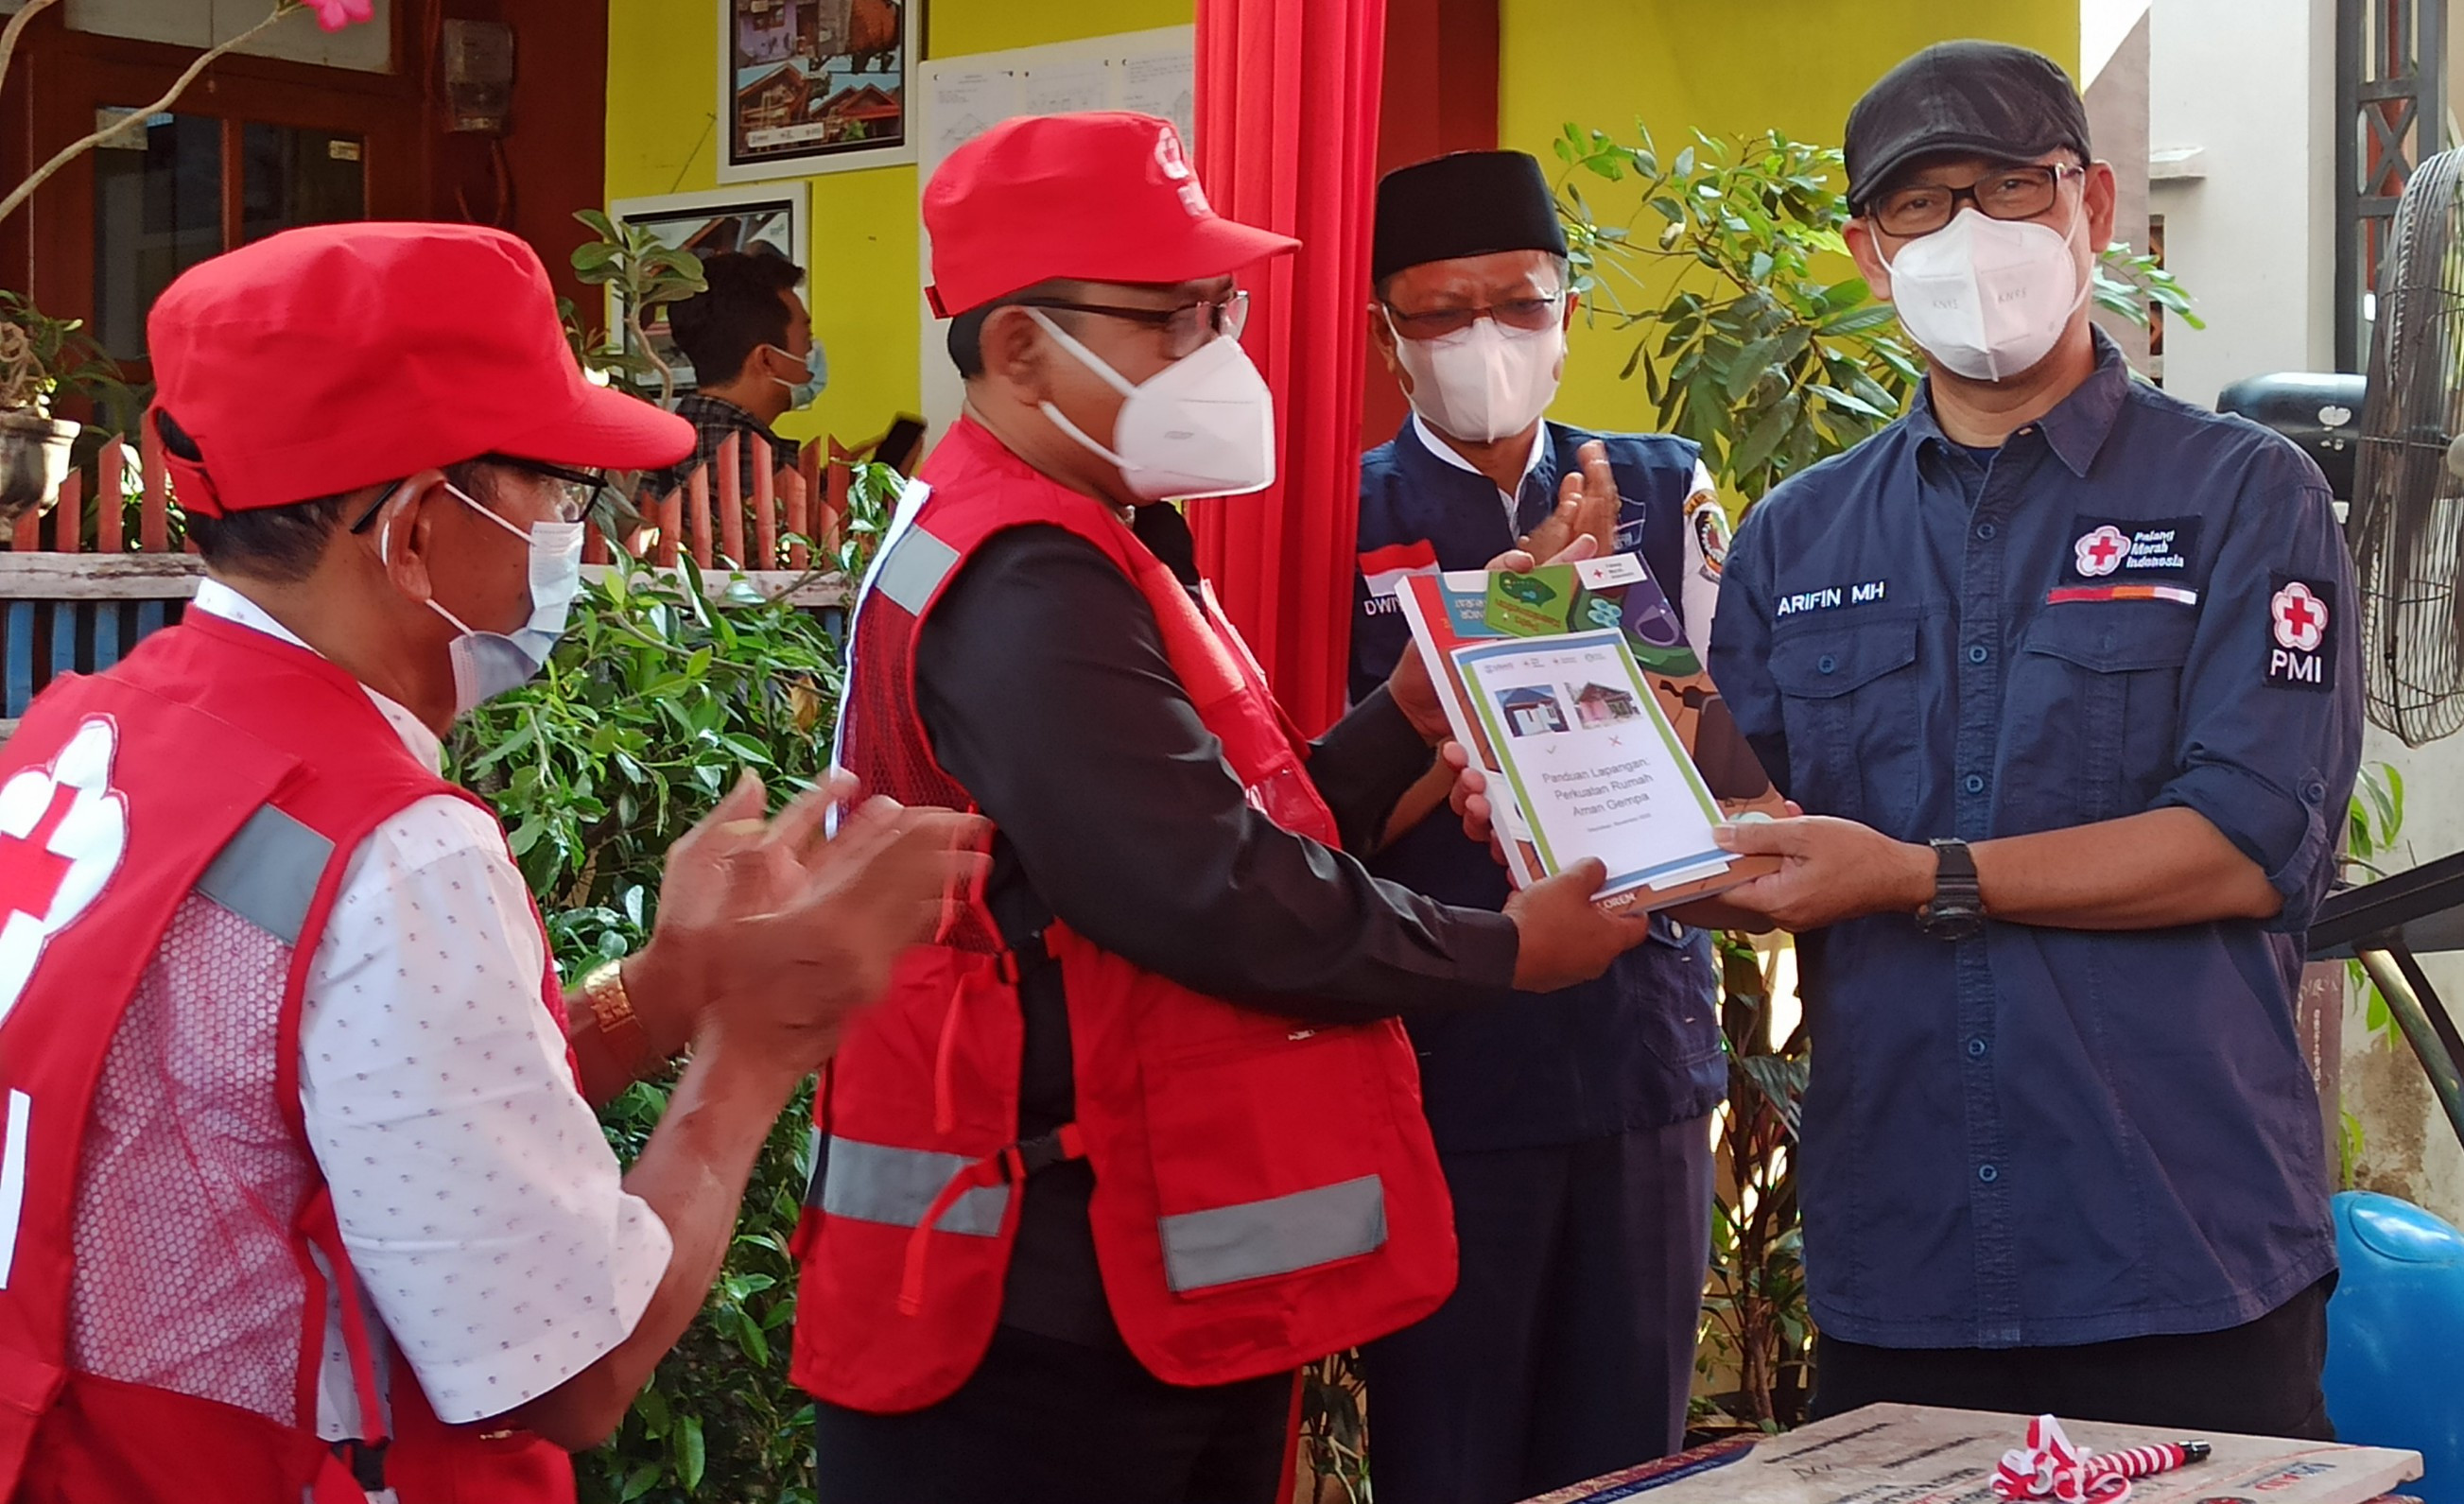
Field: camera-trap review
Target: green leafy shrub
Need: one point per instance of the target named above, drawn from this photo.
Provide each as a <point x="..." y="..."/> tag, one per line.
<point x="652" y="703"/>
<point x="1756" y="1330"/>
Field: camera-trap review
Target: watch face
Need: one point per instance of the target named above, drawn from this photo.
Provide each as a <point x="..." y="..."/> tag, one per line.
<point x="1951" y="922"/>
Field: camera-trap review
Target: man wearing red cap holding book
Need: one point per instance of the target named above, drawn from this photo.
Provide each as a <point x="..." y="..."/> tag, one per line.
<point x="1138" y="1135"/>
<point x="300" y="1197"/>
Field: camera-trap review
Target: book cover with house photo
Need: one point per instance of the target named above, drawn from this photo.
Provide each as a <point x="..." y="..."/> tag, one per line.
<point x="1575" y="686"/>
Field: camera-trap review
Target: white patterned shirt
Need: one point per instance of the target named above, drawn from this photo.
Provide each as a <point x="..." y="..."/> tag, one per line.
<point x="480" y="1204"/>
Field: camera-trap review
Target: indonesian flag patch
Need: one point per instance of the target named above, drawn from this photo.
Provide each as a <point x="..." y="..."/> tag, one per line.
<point x="1385" y="568"/>
<point x="2300" y="635"/>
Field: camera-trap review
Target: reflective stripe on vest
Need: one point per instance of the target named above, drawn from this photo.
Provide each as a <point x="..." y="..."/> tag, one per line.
<point x="268" y="873"/>
<point x="914" y="569"/>
<point x="879" y="1182"/>
<point x="1254" y="1240"/>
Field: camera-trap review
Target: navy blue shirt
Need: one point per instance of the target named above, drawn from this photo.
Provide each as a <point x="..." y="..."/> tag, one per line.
<point x="1640" y="1047"/>
<point x="2049" y="1137"/>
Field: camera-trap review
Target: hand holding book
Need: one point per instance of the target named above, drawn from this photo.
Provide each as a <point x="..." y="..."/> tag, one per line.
<point x="1575" y="696"/>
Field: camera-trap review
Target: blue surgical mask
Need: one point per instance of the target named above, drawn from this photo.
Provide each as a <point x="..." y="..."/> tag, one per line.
<point x="489" y="663"/>
<point x="817" y="376"/>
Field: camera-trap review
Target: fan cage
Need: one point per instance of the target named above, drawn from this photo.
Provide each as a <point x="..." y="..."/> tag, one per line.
<point x="2407" y="513"/>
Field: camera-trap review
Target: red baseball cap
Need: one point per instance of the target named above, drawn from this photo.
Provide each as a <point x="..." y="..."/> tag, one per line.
<point x="1106" y="196"/>
<point x="322" y="359"/>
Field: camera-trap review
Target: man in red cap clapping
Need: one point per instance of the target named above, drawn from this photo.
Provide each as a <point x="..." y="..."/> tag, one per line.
<point x="1138" y="1136"/>
<point x="300" y="1196"/>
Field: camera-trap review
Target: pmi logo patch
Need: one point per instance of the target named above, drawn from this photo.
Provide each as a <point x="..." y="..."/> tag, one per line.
<point x="2301" y="616"/>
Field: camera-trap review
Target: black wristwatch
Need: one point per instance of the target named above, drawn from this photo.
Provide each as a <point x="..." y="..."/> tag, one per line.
<point x="1957" y="909"/>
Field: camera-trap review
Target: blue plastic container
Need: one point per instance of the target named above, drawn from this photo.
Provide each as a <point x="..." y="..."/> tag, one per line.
<point x="2395" y="1338"/>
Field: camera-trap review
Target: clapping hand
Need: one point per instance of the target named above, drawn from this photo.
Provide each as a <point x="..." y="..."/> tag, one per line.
<point x="1587" y="508"/>
<point x="781" y="932"/>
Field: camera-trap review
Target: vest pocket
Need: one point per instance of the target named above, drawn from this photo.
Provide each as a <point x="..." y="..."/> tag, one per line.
<point x="1264" y="1154"/>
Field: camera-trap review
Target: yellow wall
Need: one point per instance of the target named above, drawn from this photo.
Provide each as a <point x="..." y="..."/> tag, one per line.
<point x="1726" y="67"/>
<point x="1723" y="65"/>
<point x="661" y="138"/>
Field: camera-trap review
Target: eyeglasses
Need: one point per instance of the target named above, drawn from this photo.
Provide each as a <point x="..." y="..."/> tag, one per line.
<point x="578" y="490"/>
<point x="1530" y="315"/>
<point x="2016" y="192"/>
<point x="1186" y="329"/>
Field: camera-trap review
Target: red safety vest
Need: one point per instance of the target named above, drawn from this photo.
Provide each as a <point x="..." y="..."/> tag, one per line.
<point x="1266" y="1191"/>
<point x="214" y="760"/>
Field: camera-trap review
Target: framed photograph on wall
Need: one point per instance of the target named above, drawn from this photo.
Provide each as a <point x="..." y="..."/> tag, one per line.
<point x="810" y="86"/>
<point x="753" y="219"/>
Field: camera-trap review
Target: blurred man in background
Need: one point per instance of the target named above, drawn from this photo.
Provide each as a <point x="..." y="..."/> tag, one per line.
<point x="754" y="359"/>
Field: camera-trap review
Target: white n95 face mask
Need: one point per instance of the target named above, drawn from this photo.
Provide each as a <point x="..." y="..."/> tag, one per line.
<point x="1485" y="382"/>
<point x="489" y="663"/>
<point x="1203" y="425"/>
<point x="1989" y="297"/>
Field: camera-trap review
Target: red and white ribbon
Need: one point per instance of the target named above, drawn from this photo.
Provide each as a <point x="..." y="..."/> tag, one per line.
<point x="2051" y="1466"/>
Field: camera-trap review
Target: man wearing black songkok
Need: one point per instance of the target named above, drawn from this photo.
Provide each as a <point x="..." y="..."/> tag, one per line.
<point x="1571" y="1126"/>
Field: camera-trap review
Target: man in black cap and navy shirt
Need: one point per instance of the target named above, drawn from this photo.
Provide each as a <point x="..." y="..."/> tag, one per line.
<point x="1571" y="1126"/>
<point x="2059" y="670"/>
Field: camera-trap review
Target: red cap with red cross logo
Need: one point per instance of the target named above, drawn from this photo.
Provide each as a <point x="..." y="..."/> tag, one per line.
<point x="1106" y="196"/>
<point x="320" y="360"/>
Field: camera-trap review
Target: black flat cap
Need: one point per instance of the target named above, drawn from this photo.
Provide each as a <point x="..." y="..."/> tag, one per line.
<point x="1986" y="98"/>
<point x="1465" y="203"/>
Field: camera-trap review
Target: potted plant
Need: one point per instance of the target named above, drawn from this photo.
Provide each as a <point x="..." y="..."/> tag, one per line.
<point x="33" y="444"/>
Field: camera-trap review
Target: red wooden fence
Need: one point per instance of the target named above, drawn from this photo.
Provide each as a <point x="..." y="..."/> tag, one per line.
<point x="707" y="516"/>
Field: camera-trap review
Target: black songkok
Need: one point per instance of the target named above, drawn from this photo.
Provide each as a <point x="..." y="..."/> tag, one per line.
<point x="1466" y="204"/>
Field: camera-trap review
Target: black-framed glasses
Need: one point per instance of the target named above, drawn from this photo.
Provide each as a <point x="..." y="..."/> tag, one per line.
<point x="2019" y="191"/>
<point x="1530" y="315"/>
<point x="1185" y="328"/>
<point x="579" y="491"/>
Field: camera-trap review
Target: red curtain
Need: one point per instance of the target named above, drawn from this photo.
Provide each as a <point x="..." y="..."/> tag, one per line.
<point x="1287" y="94"/>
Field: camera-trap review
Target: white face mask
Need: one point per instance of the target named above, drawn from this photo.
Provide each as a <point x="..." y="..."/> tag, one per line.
<point x="488" y="664"/>
<point x="1485" y="382"/>
<point x="1989" y="297"/>
<point x="1203" y="425"/>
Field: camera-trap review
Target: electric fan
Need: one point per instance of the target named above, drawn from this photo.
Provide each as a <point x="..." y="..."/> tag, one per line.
<point x="2407" y="510"/>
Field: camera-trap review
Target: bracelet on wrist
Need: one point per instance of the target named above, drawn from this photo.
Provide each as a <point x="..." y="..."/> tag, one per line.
<point x="611" y="1009"/>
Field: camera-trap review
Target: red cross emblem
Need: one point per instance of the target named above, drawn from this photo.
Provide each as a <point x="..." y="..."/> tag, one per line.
<point x="63" y="831"/>
<point x="2300" y="617"/>
<point x="1175" y="169"/>
<point x="2102" y="552"/>
<point x="31" y="872"/>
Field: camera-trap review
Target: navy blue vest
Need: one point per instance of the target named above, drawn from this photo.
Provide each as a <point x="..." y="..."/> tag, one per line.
<point x="1640" y="1048"/>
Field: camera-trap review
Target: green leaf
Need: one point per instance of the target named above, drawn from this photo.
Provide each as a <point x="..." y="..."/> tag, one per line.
<point x="1765" y="435"/>
<point x="692" y="1456"/>
<point x="1872" y="315"/>
<point x="1839" y="398"/>
<point x="652" y="1409"/>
